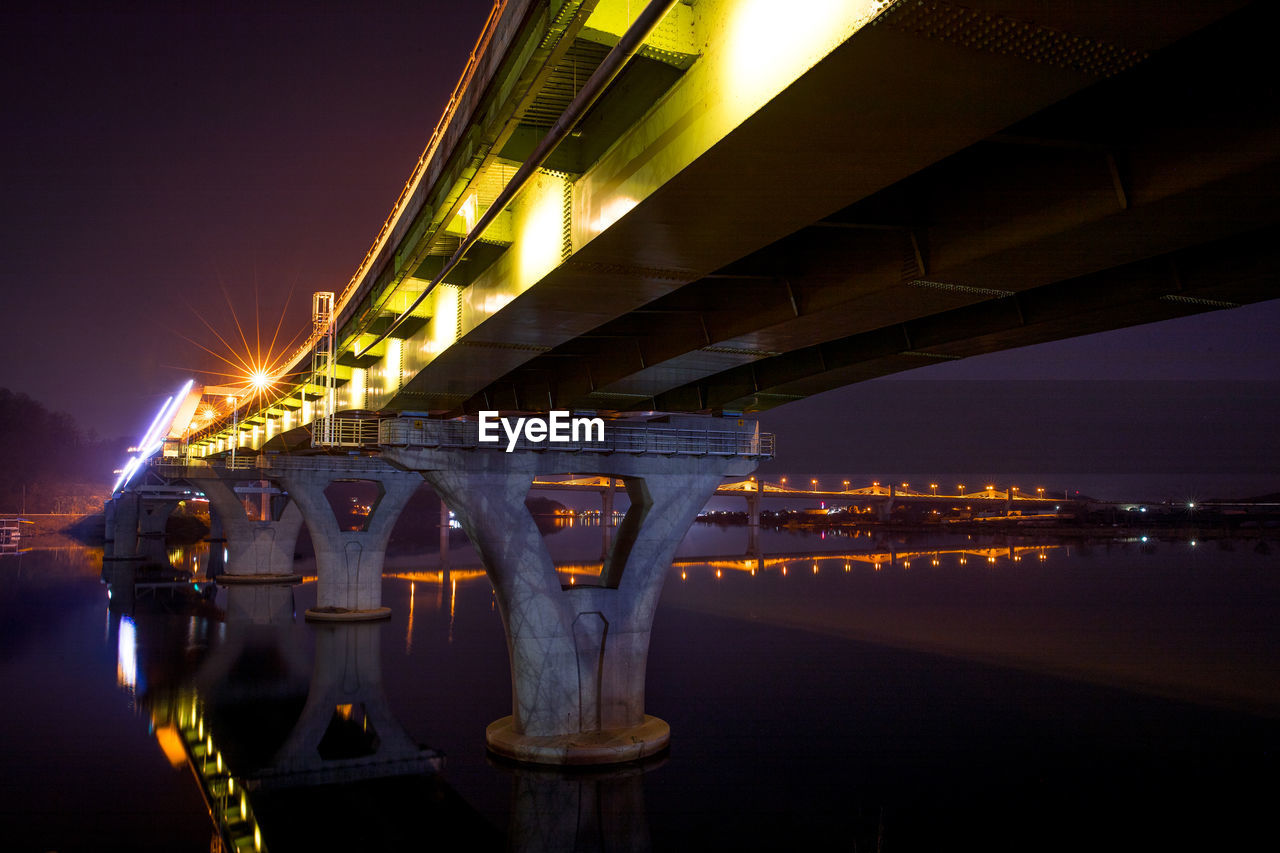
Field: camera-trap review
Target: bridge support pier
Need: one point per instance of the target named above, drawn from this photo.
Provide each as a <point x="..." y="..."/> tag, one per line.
<point x="349" y="562"/>
<point x="108" y="528"/>
<point x="124" y="515"/>
<point x="153" y="516"/>
<point x="606" y="519"/>
<point x="444" y="534"/>
<point x="884" y="507"/>
<point x="753" y="510"/>
<point x="578" y="651"/>
<point x="257" y="551"/>
<point x="217" y="563"/>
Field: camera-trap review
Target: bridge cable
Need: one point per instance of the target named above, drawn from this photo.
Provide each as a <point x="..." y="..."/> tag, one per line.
<point x="630" y="43"/>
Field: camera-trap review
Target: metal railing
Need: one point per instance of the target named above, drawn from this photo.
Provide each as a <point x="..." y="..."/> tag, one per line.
<point x="350" y="432"/>
<point x="372" y="434"/>
<point x="660" y="440"/>
<point x="281" y="461"/>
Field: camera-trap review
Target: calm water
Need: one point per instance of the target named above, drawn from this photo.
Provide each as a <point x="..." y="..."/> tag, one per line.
<point x="830" y="693"/>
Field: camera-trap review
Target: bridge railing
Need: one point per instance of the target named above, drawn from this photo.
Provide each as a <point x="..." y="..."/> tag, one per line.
<point x="353" y="432"/>
<point x="661" y="440"/>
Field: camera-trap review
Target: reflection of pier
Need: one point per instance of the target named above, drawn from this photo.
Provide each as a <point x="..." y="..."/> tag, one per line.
<point x="233" y="702"/>
<point x="346" y="731"/>
<point x="580" y="810"/>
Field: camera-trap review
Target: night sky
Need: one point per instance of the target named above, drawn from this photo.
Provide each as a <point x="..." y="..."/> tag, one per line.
<point x="161" y="159"/>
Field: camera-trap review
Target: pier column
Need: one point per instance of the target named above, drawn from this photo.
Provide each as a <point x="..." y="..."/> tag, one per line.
<point x="125" y="540"/>
<point x="108" y="529"/>
<point x="444" y="533"/>
<point x="349" y="562"/>
<point x="153" y="516"/>
<point x="753" y="507"/>
<point x="121" y="578"/>
<point x="606" y="519"/>
<point x="884" y="509"/>
<point x="578" y="652"/>
<point x="257" y="551"/>
<point x="216" y="564"/>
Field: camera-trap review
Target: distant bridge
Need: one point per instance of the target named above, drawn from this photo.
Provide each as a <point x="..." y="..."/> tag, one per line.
<point x="882" y="497"/>
<point x="780" y="489"/>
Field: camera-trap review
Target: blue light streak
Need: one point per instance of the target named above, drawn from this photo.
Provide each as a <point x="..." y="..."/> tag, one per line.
<point x="153" y="438"/>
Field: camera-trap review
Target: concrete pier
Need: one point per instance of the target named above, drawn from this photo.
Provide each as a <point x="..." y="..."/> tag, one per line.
<point x="444" y="534"/>
<point x="753" y="507"/>
<point x="125" y="509"/>
<point x="257" y="551"/>
<point x="578" y="652"/>
<point x="217" y="563"/>
<point x="606" y="518"/>
<point x="109" y="529"/>
<point x="153" y="517"/>
<point x="348" y="562"/>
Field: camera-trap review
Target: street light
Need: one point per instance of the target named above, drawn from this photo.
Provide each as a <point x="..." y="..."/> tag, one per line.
<point x="235" y="432"/>
<point x="846" y="485"/>
<point x="960" y="486"/>
<point x="815" y="484"/>
<point x="934" y="487"/>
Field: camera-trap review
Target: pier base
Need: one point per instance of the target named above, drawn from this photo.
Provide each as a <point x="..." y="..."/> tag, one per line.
<point x="608" y="746"/>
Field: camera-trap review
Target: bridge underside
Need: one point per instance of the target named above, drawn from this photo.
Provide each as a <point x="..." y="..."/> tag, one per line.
<point x="946" y="182"/>
<point x="1147" y="196"/>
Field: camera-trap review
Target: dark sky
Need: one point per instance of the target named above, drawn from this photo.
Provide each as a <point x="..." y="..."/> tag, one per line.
<point x="157" y="155"/>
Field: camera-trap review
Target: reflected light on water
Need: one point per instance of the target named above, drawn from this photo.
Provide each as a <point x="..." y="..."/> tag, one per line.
<point x="127" y="654"/>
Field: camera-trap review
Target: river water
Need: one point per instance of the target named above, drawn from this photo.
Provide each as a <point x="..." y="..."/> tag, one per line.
<point x="850" y="692"/>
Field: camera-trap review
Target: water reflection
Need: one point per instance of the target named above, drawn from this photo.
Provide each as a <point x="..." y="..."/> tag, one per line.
<point x="584" y="809"/>
<point x="822" y="692"/>
<point x="228" y="693"/>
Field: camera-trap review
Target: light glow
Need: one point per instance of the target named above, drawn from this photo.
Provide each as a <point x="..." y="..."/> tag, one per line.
<point x="127" y="654"/>
<point x="153" y="438"/>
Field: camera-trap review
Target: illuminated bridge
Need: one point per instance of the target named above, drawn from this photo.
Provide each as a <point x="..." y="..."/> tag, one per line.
<point x="673" y="215"/>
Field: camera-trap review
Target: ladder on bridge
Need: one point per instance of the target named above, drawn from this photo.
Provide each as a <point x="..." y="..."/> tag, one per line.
<point x="322" y="364"/>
